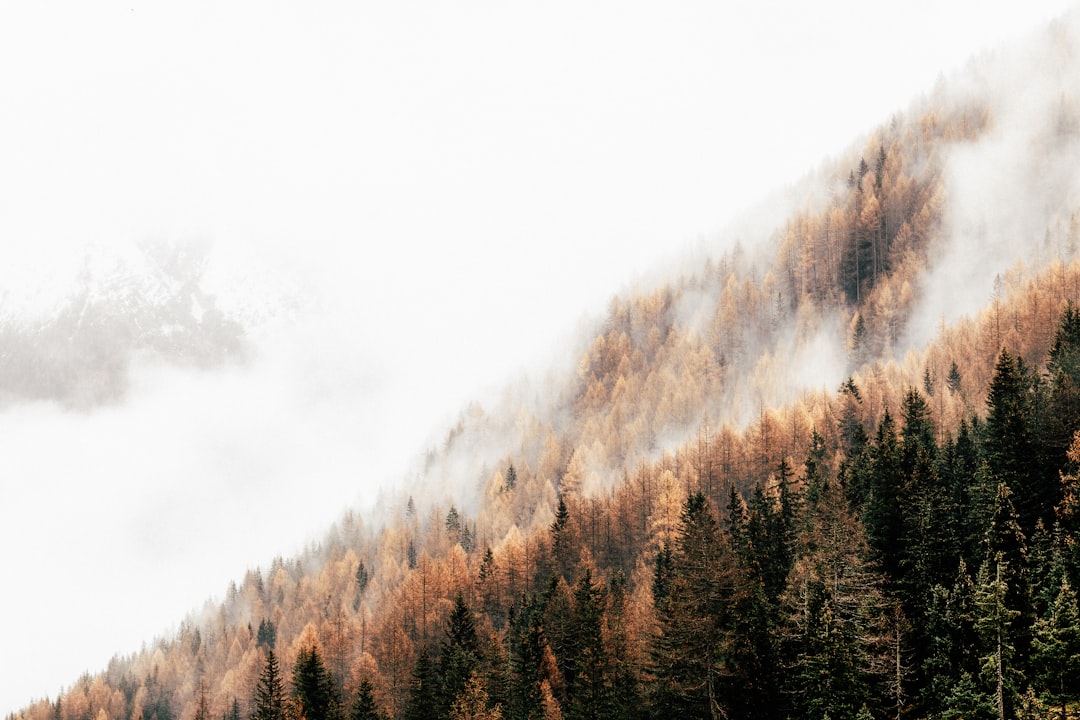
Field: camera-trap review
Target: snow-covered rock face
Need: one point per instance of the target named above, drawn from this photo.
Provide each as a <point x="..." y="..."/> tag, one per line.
<point x="70" y="336"/>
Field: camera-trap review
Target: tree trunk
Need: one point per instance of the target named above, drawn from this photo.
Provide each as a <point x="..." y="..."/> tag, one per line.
<point x="1000" y="674"/>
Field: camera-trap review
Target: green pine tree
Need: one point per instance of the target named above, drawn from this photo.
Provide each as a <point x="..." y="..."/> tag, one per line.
<point x="423" y="700"/>
<point x="994" y="621"/>
<point x="363" y="705"/>
<point x="589" y="689"/>
<point x="686" y="652"/>
<point x="313" y="689"/>
<point x="1056" y="648"/>
<point x="459" y="656"/>
<point x="269" y="699"/>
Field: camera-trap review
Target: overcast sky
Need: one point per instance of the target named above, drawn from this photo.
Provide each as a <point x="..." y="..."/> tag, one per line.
<point x="454" y="184"/>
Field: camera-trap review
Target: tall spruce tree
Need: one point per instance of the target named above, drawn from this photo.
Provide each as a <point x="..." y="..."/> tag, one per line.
<point x="269" y="701"/>
<point x="314" y="692"/>
<point x="364" y="706"/>
<point x="589" y="681"/>
<point x="1009" y="443"/>
<point x="459" y="656"/>
<point x="423" y="700"/>
<point x="686" y="652"/>
<point x="994" y="621"/>
<point x="1056" y="649"/>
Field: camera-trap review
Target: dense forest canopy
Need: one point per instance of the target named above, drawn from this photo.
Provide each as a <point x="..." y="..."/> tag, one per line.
<point x="685" y="526"/>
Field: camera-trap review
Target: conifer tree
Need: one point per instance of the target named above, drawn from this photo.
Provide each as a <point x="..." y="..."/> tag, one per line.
<point x="883" y="515"/>
<point x="589" y="695"/>
<point x="686" y="658"/>
<point x="561" y="541"/>
<point x="530" y="671"/>
<point x="994" y="621"/>
<point x="363" y="705"/>
<point x="1009" y="445"/>
<point x="423" y="701"/>
<point x="269" y="700"/>
<point x="459" y="656"/>
<point x="1056" y="648"/>
<point x="313" y="689"/>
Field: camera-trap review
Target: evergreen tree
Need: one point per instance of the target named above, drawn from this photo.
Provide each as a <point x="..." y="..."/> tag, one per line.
<point x="267" y="635"/>
<point x="363" y="705"/>
<point x="362" y="580"/>
<point x="314" y="692"/>
<point x="423" y="701"/>
<point x="1009" y="444"/>
<point x="269" y="700"/>
<point x="825" y="681"/>
<point x="453" y="523"/>
<point x="968" y="701"/>
<point x="530" y="669"/>
<point x="954" y="381"/>
<point x="883" y="515"/>
<point x="1063" y="369"/>
<point x="994" y="621"/>
<point x="460" y="653"/>
<point x="1056" y="648"/>
<point x="562" y="550"/>
<point x="589" y="692"/>
<point x="834" y="616"/>
<point x="625" y="671"/>
<point x="686" y="657"/>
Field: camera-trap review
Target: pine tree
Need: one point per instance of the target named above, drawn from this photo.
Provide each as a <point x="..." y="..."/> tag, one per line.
<point x="883" y="515"/>
<point x="313" y="689"/>
<point x="589" y="695"/>
<point x="453" y="523"/>
<point x="363" y="705"/>
<point x="1056" y="648"/>
<point x="269" y="700"/>
<point x="1063" y="369"/>
<point x="826" y="680"/>
<point x="994" y="622"/>
<point x="267" y="634"/>
<point x="1009" y="444"/>
<point x="530" y="671"/>
<point x="954" y="382"/>
<point x="459" y="656"/>
<point x="562" y="550"/>
<point x="686" y="658"/>
<point x="423" y="701"/>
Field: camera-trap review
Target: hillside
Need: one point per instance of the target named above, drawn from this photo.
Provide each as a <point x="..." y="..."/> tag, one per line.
<point x="829" y="471"/>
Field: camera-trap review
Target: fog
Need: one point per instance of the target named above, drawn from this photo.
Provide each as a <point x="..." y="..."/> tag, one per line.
<point x="398" y="205"/>
<point x="1012" y="196"/>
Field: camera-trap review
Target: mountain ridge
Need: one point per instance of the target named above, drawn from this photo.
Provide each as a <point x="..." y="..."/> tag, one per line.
<point x="639" y="408"/>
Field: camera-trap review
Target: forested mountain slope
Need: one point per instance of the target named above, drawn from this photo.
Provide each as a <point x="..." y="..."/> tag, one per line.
<point x="810" y="477"/>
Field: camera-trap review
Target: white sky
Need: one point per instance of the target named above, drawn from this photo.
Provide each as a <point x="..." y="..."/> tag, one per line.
<point x="460" y="182"/>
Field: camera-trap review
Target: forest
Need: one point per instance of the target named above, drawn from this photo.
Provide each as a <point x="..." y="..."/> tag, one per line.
<point x="677" y="528"/>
